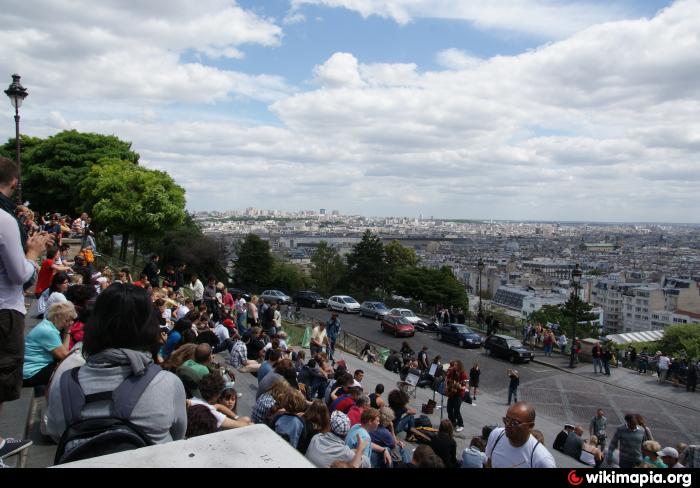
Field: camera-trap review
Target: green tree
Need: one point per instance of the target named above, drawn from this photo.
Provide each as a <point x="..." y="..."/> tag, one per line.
<point x="187" y="244"/>
<point x="288" y="277"/>
<point x="681" y="340"/>
<point x="253" y="267"/>
<point x="398" y="257"/>
<point x="53" y="168"/>
<point x="366" y="265"/>
<point x="432" y="286"/>
<point x="574" y="309"/>
<point x="132" y="201"/>
<point x="327" y="268"/>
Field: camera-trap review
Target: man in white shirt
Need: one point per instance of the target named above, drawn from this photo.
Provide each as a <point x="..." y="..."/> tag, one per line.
<point x="664" y="364"/>
<point x="514" y="446"/>
<point x="16" y="268"/>
<point x="197" y="290"/>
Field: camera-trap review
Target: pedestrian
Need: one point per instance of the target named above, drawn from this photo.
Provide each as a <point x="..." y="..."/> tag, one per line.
<point x="514" y="446"/>
<point x="474" y="375"/>
<point x="514" y="378"/>
<point x="598" y="427"/>
<point x="606" y="358"/>
<point x="597" y="354"/>
<point x="319" y="338"/>
<point x="643" y="361"/>
<point x="456" y="384"/>
<point x="663" y="365"/>
<point x="692" y="376"/>
<point x="548" y="343"/>
<point x="628" y="439"/>
<point x="562" y="342"/>
<point x="333" y="331"/>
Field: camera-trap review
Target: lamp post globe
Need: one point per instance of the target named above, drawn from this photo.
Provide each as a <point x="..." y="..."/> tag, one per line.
<point x="17" y="93"/>
<point x="576" y="282"/>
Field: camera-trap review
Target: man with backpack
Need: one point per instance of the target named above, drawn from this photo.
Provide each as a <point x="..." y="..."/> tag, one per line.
<point x="514" y="446"/>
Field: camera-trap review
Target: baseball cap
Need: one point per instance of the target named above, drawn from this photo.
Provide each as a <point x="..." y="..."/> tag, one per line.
<point x="340" y="423"/>
<point x="228" y="323"/>
<point x="668" y="451"/>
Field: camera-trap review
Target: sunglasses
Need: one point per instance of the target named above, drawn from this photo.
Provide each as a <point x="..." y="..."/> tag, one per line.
<point x="513" y="423"/>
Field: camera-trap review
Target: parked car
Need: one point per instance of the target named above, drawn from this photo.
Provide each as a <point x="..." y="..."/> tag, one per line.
<point x="459" y="334"/>
<point x="309" y="299"/>
<point x="398" y="325"/>
<point x="507" y="347"/>
<point x="417" y="322"/>
<point x="343" y="303"/>
<point x="275" y="296"/>
<point x="376" y="310"/>
<point x="235" y="291"/>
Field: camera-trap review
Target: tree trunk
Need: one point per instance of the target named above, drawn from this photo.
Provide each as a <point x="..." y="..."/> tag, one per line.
<point x="136" y="250"/>
<point x="125" y="247"/>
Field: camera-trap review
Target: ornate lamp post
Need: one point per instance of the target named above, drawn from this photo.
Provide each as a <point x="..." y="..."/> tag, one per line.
<point x="480" y="266"/>
<point x="576" y="282"/>
<point x="17" y="93"/>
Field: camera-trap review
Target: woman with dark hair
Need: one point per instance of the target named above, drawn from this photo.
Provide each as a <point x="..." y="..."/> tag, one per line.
<point x="121" y="339"/>
<point x="444" y="444"/>
<point x="456" y="382"/>
<point x="177" y="337"/>
<point x="54" y="293"/>
<point x="403" y="416"/>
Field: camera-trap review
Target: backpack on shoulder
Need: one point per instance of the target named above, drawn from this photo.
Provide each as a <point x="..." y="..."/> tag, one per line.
<point x="86" y="438"/>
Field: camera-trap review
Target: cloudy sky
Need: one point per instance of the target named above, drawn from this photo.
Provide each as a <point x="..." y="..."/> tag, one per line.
<point x="504" y="109"/>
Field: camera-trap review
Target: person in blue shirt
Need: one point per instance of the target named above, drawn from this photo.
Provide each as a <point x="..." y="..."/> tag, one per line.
<point x="43" y="348"/>
<point x="369" y="422"/>
<point x="176" y="337"/>
<point x="332" y="330"/>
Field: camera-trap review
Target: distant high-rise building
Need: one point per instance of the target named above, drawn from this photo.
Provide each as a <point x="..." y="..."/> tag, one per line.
<point x="336" y="213"/>
<point x="322" y="211"/>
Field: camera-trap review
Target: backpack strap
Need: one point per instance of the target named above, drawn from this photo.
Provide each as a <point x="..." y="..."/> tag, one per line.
<point x="496" y="443"/>
<point x="72" y="396"/>
<point x="126" y="395"/>
<point x="532" y="455"/>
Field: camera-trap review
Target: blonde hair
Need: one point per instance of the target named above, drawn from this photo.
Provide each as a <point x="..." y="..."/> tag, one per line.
<point x="293" y="401"/>
<point x="61" y="310"/>
<point x="386" y="416"/>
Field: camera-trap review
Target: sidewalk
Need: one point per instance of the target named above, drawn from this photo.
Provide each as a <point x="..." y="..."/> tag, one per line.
<point x="645" y="384"/>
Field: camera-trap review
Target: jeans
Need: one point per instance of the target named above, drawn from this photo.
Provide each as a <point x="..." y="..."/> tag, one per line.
<point x="331" y="348"/>
<point x="11" y="354"/>
<point x="512" y="393"/>
<point x="597" y="365"/>
<point x="454" y="404"/>
<point x="548" y="349"/>
<point x="406" y="423"/>
<point x="606" y="365"/>
<point x="643" y="366"/>
<point x="241" y="321"/>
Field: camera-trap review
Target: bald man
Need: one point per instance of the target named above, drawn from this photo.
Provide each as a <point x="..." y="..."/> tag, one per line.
<point x="514" y="446"/>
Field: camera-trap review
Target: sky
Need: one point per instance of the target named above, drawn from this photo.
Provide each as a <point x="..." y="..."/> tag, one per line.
<point x="503" y="109"/>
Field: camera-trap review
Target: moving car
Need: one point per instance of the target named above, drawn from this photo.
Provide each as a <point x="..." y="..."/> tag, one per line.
<point x="343" y="303"/>
<point x="459" y="334"/>
<point x="376" y="310"/>
<point x="309" y="299"/>
<point x="507" y="347"/>
<point x="275" y="296"/>
<point x="417" y="322"/>
<point x="398" y="325"/>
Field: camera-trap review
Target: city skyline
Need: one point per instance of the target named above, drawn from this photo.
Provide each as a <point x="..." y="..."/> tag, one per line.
<point x="518" y="110"/>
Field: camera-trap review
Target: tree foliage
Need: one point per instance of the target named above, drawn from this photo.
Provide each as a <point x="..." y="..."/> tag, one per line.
<point x="574" y="309"/>
<point x="432" y="286"/>
<point x="130" y="200"/>
<point x="366" y="264"/>
<point x="327" y="268"/>
<point x="288" y="277"/>
<point x="52" y="169"/>
<point x="681" y="340"/>
<point x="253" y="267"/>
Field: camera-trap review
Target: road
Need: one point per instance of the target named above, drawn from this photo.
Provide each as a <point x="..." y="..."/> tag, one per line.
<point x="563" y="397"/>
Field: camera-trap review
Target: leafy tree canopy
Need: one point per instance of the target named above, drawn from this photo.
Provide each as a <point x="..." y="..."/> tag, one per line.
<point x="681" y="340"/>
<point x="253" y="267"/>
<point x="288" y="277"/>
<point x="366" y="265"/>
<point x="53" y="168"/>
<point x="327" y="268"/>
<point x="432" y="286"/>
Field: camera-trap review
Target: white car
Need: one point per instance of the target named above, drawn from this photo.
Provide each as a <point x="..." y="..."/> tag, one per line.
<point x="343" y="303"/>
<point x="407" y="314"/>
<point x="275" y="296"/>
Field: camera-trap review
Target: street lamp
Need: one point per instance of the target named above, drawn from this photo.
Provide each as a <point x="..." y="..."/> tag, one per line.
<point x="17" y="93"/>
<point x="480" y="266"/>
<point x="576" y="282"/>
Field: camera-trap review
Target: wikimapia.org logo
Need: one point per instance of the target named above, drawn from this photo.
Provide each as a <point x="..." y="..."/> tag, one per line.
<point x="639" y="479"/>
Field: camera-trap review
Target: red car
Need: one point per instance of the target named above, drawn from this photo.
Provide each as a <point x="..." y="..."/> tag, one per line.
<point x="398" y="325"/>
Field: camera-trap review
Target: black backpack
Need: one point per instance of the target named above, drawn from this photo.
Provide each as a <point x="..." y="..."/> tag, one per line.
<point x="92" y="437"/>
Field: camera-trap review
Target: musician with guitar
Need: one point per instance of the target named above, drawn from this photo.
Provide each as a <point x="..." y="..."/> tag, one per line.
<point x="456" y="383"/>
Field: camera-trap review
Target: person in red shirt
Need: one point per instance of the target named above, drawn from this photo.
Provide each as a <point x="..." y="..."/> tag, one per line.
<point x="356" y="410"/>
<point x="49" y="267"/>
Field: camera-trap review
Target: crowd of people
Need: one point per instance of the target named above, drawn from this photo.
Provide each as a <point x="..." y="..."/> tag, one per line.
<point x="141" y="354"/>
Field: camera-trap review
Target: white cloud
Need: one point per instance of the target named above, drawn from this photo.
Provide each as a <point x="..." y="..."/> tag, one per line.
<point x="547" y="18"/>
<point x="457" y="59"/>
<point x="341" y="70"/>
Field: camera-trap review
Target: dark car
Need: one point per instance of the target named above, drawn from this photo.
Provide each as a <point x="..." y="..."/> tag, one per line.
<point x="507" y="347"/>
<point x="459" y="334"/>
<point x="309" y="299"/>
<point x="398" y="325"/>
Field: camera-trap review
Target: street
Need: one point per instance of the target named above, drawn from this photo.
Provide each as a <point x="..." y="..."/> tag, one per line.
<point x="559" y="395"/>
